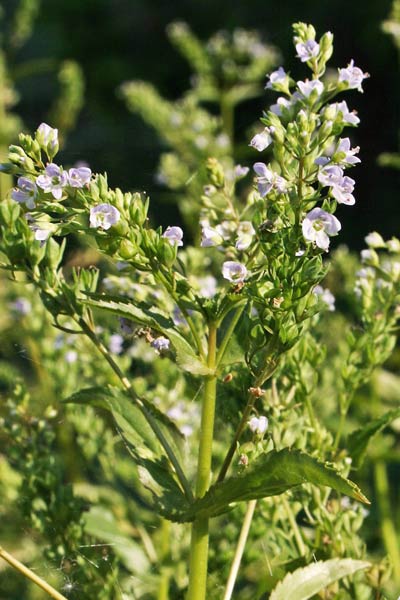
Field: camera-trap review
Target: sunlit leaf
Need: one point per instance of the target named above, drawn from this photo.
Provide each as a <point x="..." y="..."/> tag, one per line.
<point x="305" y="582"/>
<point x="151" y="316"/>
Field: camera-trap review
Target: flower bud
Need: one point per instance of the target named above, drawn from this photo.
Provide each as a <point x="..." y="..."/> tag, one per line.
<point x="215" y="173"/>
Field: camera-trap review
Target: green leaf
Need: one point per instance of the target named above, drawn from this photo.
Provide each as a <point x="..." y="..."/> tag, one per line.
<point x="127" y="416"/>
<point x="154" y="470"/>
<point x="307" y="581"/>
<point x="101" y="523"/>
<point x="151" y="316"/>
<point x="270" y="475"/>
<point x="358" y="441"/>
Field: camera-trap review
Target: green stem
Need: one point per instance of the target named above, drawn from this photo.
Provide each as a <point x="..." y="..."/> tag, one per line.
<point x="296" y="531"/>
<point x="232" y="448"/>
<point x="26" y="572"/>
<point x="388" y="527"/>
<point x="264" y="375"/>
<point x="244" y="532"/>
<point x="141" y="405"/>
<point x="225" y="341"/>
<point x="199" y="537"/>
<point x="164" y="281"/>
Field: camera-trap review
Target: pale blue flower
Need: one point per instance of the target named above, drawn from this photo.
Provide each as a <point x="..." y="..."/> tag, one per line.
<point x="307" y="50"/>
<point x="268" y="180"/>
<point x="160" y="344"/>
<point x="277" y="77"/>
<point x="258" y="425"/>
<point x="54" y="180"/>
<point x="174" y="235"/>
<point x="234" y="271"/>
<point x="318" y="225"/>
<point x="353" y="76"/>
<point x="26" y="192"/>
<point x="78" y="177"/>
<point x="349" y="117"/>
<point x="307" y="87"/>
<point x="210" y="237"/>
<point x="104" y="216"/>
<point x="245" y="233"/>
<point x="262" y="140"/>
<point x="342" y="192"/>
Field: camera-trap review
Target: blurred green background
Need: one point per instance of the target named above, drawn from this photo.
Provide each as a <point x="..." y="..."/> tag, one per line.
<point x="119" y="40"/>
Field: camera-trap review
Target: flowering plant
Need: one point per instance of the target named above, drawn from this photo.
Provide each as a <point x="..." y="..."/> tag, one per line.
<point x="235" y="317"/>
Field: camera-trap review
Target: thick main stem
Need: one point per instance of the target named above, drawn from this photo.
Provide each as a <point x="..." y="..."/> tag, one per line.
<point x="199" y="539"/>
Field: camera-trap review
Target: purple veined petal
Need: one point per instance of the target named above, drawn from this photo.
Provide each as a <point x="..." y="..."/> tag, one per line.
<point x="261" y="169"/>
<point x="332" y="224"/>
<point x="264" y="188"/>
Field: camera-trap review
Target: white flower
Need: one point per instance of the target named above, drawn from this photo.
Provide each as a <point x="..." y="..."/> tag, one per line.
<point x="160" y="344"/>
<point x="342" y="154"/>
<point x="349" y="117"/>
<point x="344" y="147"/>
<point x="47" y="136"/>
<point x="25" y="192"/>
<point x="353" y="76"/>
<point x="326" y="296"/>
<point x="262" y="140"/>
<point x="41" y="234"/>
<point x="281" y="103"/>
<point x="277" y="77"/>
<point x="245" y="233"/>
<point x="234" y="271"/>
<point x="330" y="176"/>
<point x="375" y="240"/>
<point x="79" y="176"/>
<point x="318" y="225"/>
<point x="210" y="237"/>
<point x="342" y="187"/>
<point x="104" y="216"/>
<point x="174" y="235"/>
<point x="268" y="180"/>
<point x="258" y="425"/>
<point x="307" y="87"/>
<point x="307" y="50"/>
<point x="342" y="192"/>
<point x="53" y="180"/>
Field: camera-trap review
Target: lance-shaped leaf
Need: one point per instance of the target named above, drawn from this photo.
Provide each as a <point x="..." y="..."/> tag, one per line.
<point x="271" y="474"/>
<point x="358" y="441"/>
<point x="154" y="470"/>
<point x="304" y="583"/>
<point x="130" y="419"/>
<point x="151" y="316"/>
